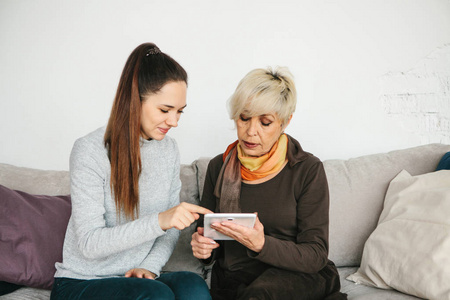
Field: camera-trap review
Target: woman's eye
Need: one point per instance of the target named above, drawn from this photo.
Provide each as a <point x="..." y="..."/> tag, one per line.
<point x="266" y="124"/>
<point x="164" y="111"/>
<point x="244" y="119"/>
<point x="180" y="111"/>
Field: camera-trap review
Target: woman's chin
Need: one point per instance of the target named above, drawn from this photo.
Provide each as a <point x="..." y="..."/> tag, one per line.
<point x="159" y="137"/>
<point x="252" y="153"/>
<point x="156" y="137"/>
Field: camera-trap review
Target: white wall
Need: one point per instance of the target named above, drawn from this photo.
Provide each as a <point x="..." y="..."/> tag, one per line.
<point x="60" y="62"/>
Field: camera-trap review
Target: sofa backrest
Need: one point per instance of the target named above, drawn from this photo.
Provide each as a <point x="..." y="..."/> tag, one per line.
<point x="34" y="181"/>
<point x="192" y="178"/>
<point x="357" y="190"/>
<point x="49" y="182"/>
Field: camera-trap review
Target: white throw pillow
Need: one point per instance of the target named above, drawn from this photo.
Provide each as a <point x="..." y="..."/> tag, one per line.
<point x="410" y="249"/>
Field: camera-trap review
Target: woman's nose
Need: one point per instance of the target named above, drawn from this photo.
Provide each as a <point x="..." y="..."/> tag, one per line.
<point x="172" y="120"/>
<point x="252" y="127"/>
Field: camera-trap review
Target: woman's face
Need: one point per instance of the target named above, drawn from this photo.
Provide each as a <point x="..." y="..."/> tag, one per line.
<point x="258" y="134"/>
<point x="161" y="111"/>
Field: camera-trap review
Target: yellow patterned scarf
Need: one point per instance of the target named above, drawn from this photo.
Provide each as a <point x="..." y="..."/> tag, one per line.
<point x="259" y="167"/>
<point x="233" y="171"/>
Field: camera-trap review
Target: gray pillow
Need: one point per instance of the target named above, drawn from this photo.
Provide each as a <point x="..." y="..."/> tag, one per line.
<point x="32" y="230"/>
<point x="182" y="258"/>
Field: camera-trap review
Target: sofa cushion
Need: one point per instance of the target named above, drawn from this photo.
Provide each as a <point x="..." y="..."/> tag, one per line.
<point x="409" y="249"/>
<point x="357" y="190"/>
<point x="27" y="293"/>
<point x="201" y="166"/>
<point x="182" y="258"/>
<point x="32" y="236"/>
<point x="363" y="292"/>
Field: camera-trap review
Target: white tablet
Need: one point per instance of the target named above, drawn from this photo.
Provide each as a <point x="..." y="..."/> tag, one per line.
<point x="244" y="219"/>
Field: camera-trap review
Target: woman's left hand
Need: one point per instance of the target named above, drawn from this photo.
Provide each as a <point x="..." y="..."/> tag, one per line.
<point x="140" y="273"/>
<point x="252" y="238"/>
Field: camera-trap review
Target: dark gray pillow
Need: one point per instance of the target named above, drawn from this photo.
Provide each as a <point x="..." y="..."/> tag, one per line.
<point x="444" y="164"/>
<point x="32" y="230"/>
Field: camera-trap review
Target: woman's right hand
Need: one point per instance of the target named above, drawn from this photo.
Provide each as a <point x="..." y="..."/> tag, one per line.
<point x="202" y="247"/>
<point x="181" y="216"/>
<point x="140" y="273"/>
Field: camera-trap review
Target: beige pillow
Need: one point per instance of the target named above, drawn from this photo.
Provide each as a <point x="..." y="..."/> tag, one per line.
<point x="410" y="249"/>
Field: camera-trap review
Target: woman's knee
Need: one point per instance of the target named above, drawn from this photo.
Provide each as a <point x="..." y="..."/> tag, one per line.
<point x="276" y="283"/>
<point x="186" y="285"/>
<point x="257" y="290"/>
<point x="146" y="289"/>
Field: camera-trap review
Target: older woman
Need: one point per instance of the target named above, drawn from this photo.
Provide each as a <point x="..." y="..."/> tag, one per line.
<point x="285" y="255"/>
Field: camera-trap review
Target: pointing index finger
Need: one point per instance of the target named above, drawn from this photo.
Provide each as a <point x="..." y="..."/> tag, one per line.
<point x="197" y="209"/>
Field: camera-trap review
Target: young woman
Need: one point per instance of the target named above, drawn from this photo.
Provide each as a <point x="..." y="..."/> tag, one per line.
<point x="285" y="255"/>
<point x="126" y="213"/>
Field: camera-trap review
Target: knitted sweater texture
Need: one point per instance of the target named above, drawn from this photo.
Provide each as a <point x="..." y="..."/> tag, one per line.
<point x="98" y="244"/>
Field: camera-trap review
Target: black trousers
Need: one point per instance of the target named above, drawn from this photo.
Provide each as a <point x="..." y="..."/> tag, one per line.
<point x="276" y="283"/>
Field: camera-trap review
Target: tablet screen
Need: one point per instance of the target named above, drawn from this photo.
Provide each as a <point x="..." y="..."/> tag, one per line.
<point x="243" y="219"/>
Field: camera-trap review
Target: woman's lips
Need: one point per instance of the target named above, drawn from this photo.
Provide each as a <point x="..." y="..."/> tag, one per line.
<point x="164" y="130"/>
<point x="250" y="145"/>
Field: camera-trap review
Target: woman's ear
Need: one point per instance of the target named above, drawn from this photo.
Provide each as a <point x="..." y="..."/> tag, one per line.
<point x="287" y="123"/>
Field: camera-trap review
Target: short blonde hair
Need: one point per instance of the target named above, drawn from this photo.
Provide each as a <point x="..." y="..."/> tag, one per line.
<point x="264" y="91"/>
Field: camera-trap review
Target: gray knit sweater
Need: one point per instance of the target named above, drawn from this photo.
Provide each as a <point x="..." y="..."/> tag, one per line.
<point x="97" y="243"/>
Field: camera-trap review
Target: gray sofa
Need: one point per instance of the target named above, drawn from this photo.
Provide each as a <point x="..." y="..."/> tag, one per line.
<point x="357" y="190"/>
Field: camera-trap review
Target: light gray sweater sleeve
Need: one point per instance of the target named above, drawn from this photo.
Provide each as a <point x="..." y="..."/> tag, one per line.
<point x="95" y="239"/>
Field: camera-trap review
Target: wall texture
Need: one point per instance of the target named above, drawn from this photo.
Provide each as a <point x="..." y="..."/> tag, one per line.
<point x="372" y="75"/>
<point x="419" y="99"/>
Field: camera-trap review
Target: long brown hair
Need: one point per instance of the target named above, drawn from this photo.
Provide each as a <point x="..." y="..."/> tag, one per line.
<point x="146" y="71"/>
